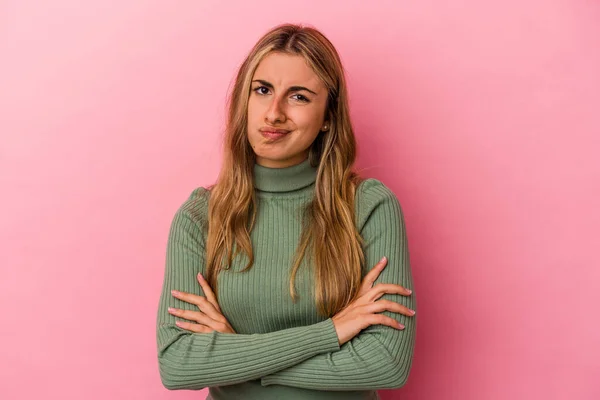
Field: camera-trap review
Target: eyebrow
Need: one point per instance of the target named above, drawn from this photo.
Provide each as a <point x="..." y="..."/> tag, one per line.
<point x="290" y="89"/>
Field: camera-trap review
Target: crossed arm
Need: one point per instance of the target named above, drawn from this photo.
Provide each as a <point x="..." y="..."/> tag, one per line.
<point x="379" y="357"/>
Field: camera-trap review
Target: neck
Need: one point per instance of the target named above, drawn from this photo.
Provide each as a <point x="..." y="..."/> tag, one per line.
<point x="287" y="179"/>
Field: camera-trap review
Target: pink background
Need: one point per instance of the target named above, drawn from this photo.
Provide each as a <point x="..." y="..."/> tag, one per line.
<point x="481" y="116"/>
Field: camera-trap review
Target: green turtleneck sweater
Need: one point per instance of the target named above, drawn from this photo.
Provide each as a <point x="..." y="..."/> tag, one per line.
<point x="283" y="350"/>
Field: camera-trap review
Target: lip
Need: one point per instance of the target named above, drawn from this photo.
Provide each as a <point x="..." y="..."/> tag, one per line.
<point x="273" y="133"/>
<point x="273" y="130"/>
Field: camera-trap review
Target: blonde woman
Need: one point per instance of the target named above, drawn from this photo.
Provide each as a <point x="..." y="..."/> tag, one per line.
<point x="276" y="285"/>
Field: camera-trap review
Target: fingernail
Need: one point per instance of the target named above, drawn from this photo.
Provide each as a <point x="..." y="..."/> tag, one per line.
<point x="409" y="291"/>
<point x="383" y="259"/>
<point x="174" y="292"/>
<point x="412" y="312"/>
<point x="200" y="276"/>
<point x="400" y="325"/>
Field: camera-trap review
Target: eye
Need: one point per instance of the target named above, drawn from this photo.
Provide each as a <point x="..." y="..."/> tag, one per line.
<point x="257" y="90"/>
<point x="302" y="98"/>
<point x="298" y="97"/>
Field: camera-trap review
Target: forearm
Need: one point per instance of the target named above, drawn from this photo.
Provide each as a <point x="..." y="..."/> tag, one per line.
<point x="197" y="360"/>
<point x="380" y="356"/>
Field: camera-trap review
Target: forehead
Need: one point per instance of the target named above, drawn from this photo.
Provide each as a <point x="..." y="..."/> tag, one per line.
<point x="287" y="70"/>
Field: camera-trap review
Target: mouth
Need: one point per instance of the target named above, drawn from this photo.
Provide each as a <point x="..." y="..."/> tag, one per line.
<point x="274" y="134"/>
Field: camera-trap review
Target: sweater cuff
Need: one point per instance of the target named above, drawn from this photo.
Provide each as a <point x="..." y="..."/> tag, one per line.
<point x="326" y="334"/>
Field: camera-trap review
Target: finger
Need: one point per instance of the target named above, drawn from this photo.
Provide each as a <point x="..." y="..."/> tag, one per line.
<point x="209" y="309"/>
<point x="210" y="296"/>
<point x="199" y="317"/>
<point x="380" y="319"/>
<point x="202" y="303"/>
<point x="374" y="272"/>
<point x="193" y="327"/>
<point x="202" y="319"/>
<point x="382" y="288"/>
<point x="195" y="316"/>
<point x="187" y="297"/>
<point x="387" y="305"/>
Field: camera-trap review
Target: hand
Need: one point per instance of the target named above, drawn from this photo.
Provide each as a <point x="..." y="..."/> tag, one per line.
<point x="360" y="313"/>
<point x="209" y="319"/>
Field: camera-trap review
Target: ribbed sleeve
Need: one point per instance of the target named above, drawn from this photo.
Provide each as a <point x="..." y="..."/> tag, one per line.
<point x="190" y="360"/>
<point x="379" y="357"/>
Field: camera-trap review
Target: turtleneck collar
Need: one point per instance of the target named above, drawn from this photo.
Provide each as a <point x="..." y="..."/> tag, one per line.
<point x="286" y="179"/>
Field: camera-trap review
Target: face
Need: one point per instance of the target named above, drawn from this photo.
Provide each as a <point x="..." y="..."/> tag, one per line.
<point x="286" y="95"/>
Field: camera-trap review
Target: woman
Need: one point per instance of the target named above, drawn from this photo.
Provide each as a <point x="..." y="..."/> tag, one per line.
<point x="293" y="312"/>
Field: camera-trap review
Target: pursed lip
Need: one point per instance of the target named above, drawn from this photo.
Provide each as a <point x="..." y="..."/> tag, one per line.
<point x="273" y="130"/>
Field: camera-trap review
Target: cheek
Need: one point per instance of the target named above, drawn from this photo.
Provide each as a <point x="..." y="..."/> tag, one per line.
<point x="253" y="119"/>
<point x="254" y="107"/>
<point x="251" y="111"/>
<point x="307" y="118"/>
<point x="309" y="130"/>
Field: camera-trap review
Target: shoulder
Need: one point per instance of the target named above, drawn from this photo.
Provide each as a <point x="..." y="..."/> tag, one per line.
<point x="373" y="190"/>
<point x="374" y="197"/>
<point x="194" y="209"/>
<point x="197" y="202"/>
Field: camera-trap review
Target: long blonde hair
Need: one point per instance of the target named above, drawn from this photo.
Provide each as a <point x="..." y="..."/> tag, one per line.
<point x="329" y="233"/>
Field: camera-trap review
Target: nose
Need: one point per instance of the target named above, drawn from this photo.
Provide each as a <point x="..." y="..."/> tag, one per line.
<point x="275" y="112"/>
